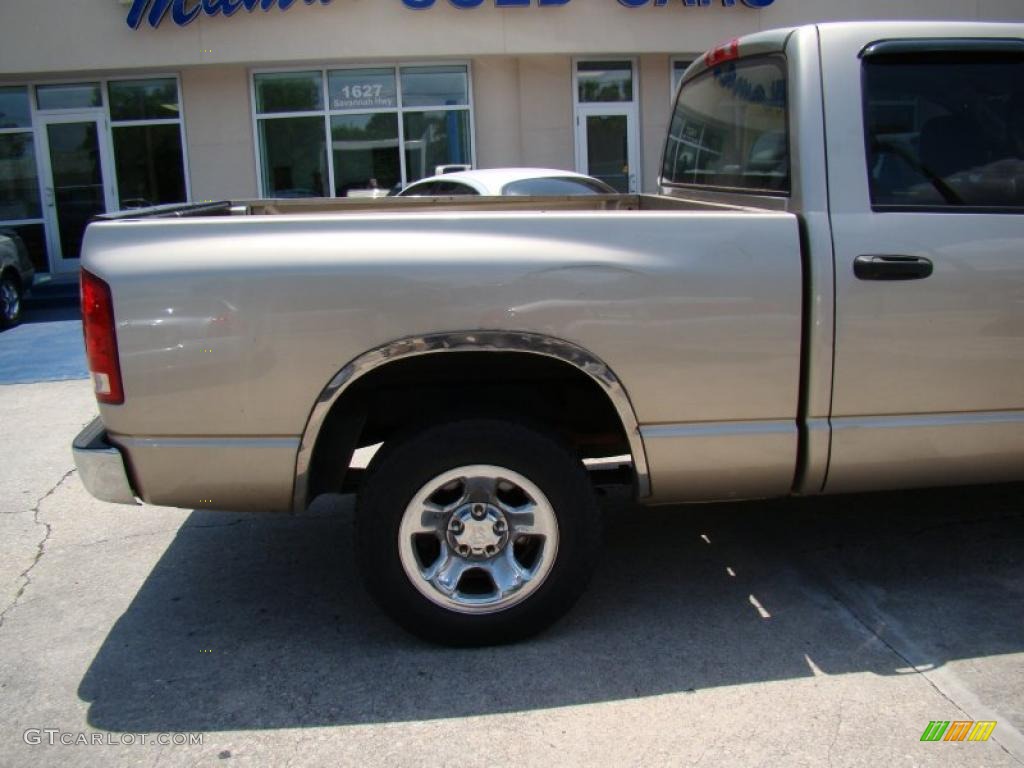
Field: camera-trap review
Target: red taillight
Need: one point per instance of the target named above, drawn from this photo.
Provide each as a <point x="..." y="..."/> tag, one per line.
<point x="101" y="339"/>
<point x="723" y="52"/>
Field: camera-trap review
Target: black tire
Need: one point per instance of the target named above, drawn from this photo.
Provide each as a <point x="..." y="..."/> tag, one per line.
<point x="402" y="469"/>
<point x="10" y="301"/>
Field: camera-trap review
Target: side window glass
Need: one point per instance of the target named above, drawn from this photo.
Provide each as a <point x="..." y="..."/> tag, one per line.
<point x="452" y="188"/>
<point x="945" y="129"/>
<point x="556" y="187"/>
<point x="420" y="190"/>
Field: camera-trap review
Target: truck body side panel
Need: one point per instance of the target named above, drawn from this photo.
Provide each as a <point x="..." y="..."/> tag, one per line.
<point x="229" y="328"/>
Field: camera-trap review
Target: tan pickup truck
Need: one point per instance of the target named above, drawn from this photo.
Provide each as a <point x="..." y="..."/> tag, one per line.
<point x="826" y="296"/>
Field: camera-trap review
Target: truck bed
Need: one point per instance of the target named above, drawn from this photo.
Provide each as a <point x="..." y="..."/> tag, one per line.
<point x="233" y="318"/>
<point x="460" y="203"/>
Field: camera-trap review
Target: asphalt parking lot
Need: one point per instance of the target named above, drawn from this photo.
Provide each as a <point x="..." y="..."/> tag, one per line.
<point x="805" y="632"/>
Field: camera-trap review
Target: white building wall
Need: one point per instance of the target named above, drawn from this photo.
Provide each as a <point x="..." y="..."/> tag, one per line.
<point x="497" y="111"/>
<point x="655" y="108"/>
<point x="521" y="61"/>
<point x="218" y="130"/>
<point x="546" y="118"/>
<point x="40" y="36"/>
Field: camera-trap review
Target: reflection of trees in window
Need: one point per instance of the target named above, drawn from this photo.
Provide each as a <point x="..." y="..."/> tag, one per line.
<point x="363" y="148"/>
<point x="381" y="125"/>
<point x="150" y="166"/>
<point x="365" y="152"/>
<point x="289" y="92"/>
<point x="603" y="81"/>
<point x="144" y="99"/>
<point x="19" y="186"/>
<point x="594" y="90"/>
<point x="148" y="155"/>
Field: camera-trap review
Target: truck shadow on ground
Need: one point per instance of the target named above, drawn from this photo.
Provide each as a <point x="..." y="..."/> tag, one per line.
<point x="260" y="622"/>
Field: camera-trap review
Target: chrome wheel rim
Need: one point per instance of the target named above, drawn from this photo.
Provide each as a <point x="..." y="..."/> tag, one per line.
<point x="478" y="539"/>
<point x="10" y="300"/>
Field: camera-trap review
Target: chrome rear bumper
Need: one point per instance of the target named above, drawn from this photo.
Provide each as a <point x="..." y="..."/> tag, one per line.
<point x="101" y="466"/>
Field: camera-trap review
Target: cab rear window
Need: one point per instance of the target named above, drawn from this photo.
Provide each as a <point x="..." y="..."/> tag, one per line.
<point x="730" y="128"/>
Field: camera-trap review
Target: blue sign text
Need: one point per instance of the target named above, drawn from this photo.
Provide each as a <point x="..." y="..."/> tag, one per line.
<point x="185" y="11"/>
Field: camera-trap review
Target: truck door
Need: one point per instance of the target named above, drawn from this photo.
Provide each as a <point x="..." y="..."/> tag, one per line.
<point x="926" y="183"/>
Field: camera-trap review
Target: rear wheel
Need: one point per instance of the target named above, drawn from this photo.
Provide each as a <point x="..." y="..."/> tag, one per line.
<point x="476" y="532"/>
<point x="10" y="301"/>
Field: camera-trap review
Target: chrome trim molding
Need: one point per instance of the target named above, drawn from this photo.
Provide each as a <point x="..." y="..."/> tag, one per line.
<point x="720" y="428"/>
<point x="471" y="341"/>
<point x="245" y="443"/>
<point x="925" y="450"/>
<point x="101" y="466"/>
<point x="910" y="421"/>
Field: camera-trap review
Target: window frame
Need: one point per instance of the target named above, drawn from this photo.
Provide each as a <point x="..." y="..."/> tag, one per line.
<point x="327" y="112"/>
<point x="673" y="85"/>
<point x="754" y="191"/>
<point x="30" y="129"/>
<point x="907" y="48"/>
<point x="633" y="110"/>
<point x="179" y="121"/>
<point x="34" y="127"/>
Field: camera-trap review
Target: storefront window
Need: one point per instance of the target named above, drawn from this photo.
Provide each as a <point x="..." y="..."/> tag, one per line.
<point x="365" y="151"/>
<point x="434" y="86"/>
<point x="289" y="92"/>
<point x="19" y="182"/>
<point x="387" y="126"/>
<point x="433" y="139"/>
<point x="294" y="157"/>
<point x="604" y="81"/>
<point x="147" y="136"/>
<point x="21" y="208"/>
<point x="363" y="89"/>
<point x="69" y="96"/>
<point x="15" y="111"/>
<point x="144" y="99"/>
<point x="150" y="170"/>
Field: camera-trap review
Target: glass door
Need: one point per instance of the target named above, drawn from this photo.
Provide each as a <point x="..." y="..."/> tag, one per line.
<point x="607" y="122"/>
<point x="606" y="145"/>
<point x="78" y="178"/>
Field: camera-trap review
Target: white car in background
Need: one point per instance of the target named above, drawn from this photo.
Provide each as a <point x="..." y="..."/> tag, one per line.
<point x="496" y="182"/>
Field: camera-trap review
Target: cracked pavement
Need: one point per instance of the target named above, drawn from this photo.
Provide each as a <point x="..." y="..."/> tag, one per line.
<point x="787" y="633"/>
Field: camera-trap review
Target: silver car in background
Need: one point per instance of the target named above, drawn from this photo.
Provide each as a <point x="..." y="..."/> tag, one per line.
<point x="16" y="275"/>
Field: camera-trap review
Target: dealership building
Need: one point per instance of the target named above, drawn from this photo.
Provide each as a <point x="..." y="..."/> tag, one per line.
<point x="114" y="104"/>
